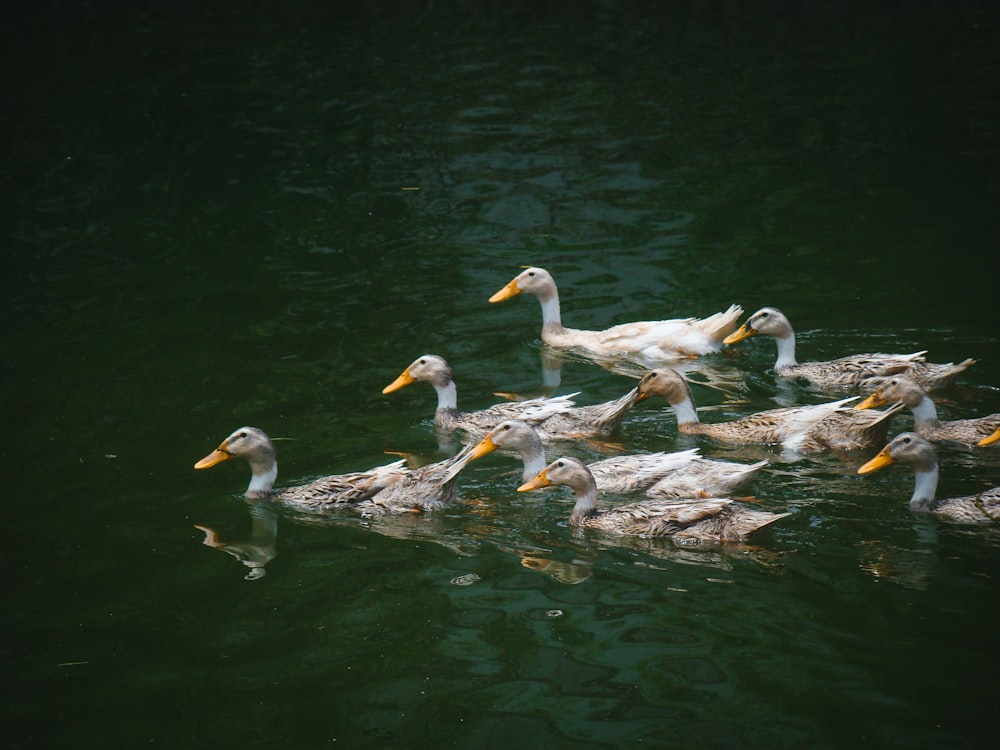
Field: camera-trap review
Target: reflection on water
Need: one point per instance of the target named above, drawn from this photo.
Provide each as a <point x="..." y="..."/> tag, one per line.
<point x="258" y="549"/>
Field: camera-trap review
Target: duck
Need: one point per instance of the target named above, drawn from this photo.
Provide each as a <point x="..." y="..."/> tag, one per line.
<point x="990" y="439"/>
<point x="914" y="451"/>
<point x="688" y="520"/>
<point x="905" y="390"/>
<point x="679" y="474"/>
<point x="853" y="372"/>
<point x="673" y="339"/>
<point x="387" y="488"/>
<point x="804" y="429"/>
<point x="554" y="417"/>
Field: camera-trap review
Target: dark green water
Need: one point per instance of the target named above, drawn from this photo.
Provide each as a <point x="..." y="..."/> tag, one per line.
<point x="239" y="214"/>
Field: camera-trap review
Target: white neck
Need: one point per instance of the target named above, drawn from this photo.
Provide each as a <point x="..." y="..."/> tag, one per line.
<point x="786" y="352"/>
<point x="925" y="411"/>
<point x="685" y="412"/>
<point x="447" y="396"/>
<point x="534" y="460"/>
<point x="263" y="480"/>
<point x="925" y="489"/>
<point x="550" y="311"/>
<point x="586" y="501"/>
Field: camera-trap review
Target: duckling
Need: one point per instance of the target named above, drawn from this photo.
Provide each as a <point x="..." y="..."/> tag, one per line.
<point x="665" y="475"/>
<point x="385" y="488"/>
<point x="693" y="520"/>
<point x="901" y="389"/>
<point x="799" y="428"/>
<point x="555" y="417"/>
<point x="654" y="339"/>
<point x="911" y="450"/>
<point x="856" y="371"/>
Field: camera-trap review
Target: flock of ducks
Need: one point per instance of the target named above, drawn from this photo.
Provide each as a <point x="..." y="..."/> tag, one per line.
<point x="685" y="496"/>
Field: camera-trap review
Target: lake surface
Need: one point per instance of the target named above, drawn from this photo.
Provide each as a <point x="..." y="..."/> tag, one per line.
<point x="239" y="214"/>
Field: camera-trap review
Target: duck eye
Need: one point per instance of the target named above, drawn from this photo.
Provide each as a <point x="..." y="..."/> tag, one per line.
<point x="243" y="434"/>
<point x="559" y="464"/>
<point x="506" y="426"/>
<point x="531" y="273"/>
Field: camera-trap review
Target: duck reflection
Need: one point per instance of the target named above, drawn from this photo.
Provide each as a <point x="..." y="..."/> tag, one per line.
<point x="708" y="372"/>
<point x="257" y="550"/>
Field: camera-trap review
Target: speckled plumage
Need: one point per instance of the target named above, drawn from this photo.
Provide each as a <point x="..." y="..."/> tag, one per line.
<point x="387" y="488"/>
<point x="660" y="474"/>
<point x="904" y="390"/>
<point x="652" y="339"/>
<point x="555" y="417"/>
<point x="854" y="372"/>
<point x="910" y="449"/>
<point x="701" y="519"/>
<point x="801" y="428"/>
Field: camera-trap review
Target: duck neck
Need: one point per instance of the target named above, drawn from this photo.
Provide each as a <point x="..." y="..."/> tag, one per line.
<point x="925" y="489"/>
<point x="685" y="412"/>
<point x="533" y="455"/>
<point x="586" y="504"/>
<point x="786" y="351"/>
<point x="447" y="396"/>
<point x="264" y="474"/>
<point x="551" y="318"/>
<point x="925" y="412"/>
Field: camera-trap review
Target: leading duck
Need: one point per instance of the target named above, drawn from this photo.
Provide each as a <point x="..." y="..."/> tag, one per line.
<point x="653" y="339"/>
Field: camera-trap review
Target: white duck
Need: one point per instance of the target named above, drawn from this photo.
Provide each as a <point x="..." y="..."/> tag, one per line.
<point x="654" y="339"/>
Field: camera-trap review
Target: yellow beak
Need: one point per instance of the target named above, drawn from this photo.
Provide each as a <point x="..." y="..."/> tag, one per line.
<point x="744" y="332"/>
<point x="401" y="382"/>
<point x="872" y="401"/>
<point x="542" y="480"/>
<point x="990" y="439"/>
<point x="215" y="457"/>
<point x="486" y="445"/>
<point x="507" y="292"/>
<point x="882" y="460"/>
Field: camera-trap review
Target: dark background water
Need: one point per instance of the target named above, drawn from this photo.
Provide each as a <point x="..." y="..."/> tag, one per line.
<point x="225" y="214"/>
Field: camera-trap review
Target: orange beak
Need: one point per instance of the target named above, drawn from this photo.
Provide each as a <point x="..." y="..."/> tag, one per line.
<point x="744" y="332"/>
<point x="215" y="457"/>
<point x="542" y="480"/>
<point x="882" y="460"/>
<point x="872" y="401"/>
<point x="990" y="439"/>
<point x="507" y="292"/>
<point x="401" y="382"/>
<point x="486" y="445"/>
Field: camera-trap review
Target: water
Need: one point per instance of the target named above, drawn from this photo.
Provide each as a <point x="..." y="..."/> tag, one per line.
<point x="260" y="216"/>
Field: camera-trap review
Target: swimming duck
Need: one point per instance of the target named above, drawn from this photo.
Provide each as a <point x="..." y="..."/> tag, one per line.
<point x="910" y="449"/>
<point x="654" y="339"/>
<point x="800" y="428"/>
<point x="385" y="488"/>
<point x="664" y="475"/>
<point x="901" y="389"/>
<point x="703" y="519"/>
<point x="857" y="371"/>
<point x="990" y="439"/>
<point x="554" y="417"/>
